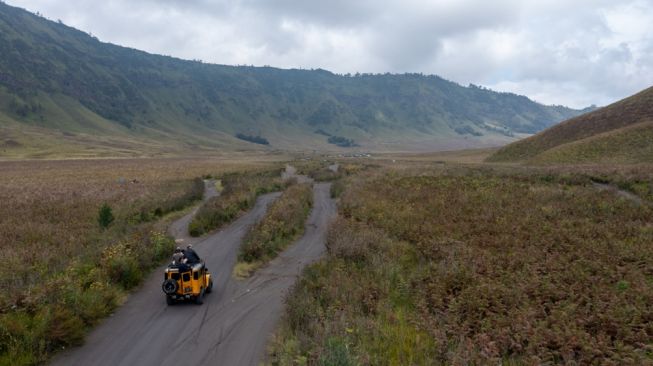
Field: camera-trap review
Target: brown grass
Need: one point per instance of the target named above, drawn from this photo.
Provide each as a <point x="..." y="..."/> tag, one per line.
<point x="477" y="266"/>
<point x="61" y="272"/>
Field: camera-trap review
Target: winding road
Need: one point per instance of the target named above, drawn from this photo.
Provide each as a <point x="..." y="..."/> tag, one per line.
<point x="235" y="322"/>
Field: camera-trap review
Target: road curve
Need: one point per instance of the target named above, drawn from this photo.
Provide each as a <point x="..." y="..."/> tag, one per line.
<point x="236" y="320"/>
<point x="179" y="228"/>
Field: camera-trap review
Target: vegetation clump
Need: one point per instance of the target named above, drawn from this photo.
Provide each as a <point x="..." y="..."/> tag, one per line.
<point x="252" y="138"/>
<point x="341" y="141"/>
<point x="283" y="223"/>
<point x="105" y="216"/>
<point x="238" y="195"/>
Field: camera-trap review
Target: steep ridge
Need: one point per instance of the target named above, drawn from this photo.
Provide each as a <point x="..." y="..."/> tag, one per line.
<point x="67" y="88"/>
<point x="620" y="132"/>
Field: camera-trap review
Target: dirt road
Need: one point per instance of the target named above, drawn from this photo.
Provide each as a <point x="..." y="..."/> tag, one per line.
<point x="619" y="192"/>
<point x="236" y="320"/>
<point x="179" y="228"/>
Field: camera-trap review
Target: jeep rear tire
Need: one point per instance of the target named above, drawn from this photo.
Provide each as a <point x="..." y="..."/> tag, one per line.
<point x="170" y="301"/>
<point x="170" y="286"/>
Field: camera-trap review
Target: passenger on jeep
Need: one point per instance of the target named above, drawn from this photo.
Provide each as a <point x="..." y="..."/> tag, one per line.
<point x="191" y="255"/>
<point x="177" y="257"/>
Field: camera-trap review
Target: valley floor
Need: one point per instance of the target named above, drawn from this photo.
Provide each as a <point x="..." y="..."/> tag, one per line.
<point x="431" y="259"/>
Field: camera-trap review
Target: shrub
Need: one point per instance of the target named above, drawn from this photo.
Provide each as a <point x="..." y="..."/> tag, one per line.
<point x="337" y="188"/>
<point x="105" y="216"/>
<point x="162" y="246"/>
<point x="121" y="266"/>
<point x="336" y="353"/>
<point x="64" y="328"/>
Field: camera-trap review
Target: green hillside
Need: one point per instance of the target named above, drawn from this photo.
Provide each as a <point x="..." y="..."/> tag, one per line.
<point x="62" y="88"/>
<point x="632" y="144"/>
<point x="620" y="132"/>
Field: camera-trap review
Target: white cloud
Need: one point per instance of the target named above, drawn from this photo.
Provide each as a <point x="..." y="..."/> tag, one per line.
<point x="557" y="52"/>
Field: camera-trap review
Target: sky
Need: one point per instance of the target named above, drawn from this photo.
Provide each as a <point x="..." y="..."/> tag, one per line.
<point x="567" y="52"/>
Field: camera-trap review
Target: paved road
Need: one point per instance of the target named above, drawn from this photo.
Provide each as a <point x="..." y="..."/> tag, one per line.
<point x="235" y="322"/>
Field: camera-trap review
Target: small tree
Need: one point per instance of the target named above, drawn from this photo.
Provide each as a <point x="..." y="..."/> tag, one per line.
<point x="105" y="216"/>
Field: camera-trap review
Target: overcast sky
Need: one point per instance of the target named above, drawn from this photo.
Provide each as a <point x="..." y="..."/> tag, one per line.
<point x="570" y="52"/>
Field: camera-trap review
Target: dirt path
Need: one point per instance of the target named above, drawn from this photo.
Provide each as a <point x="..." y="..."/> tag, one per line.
<point x="619" y="192"/>
<point x="291" y="172"/>
<point x="236" y="320"/>
<point x="179" y="228"/>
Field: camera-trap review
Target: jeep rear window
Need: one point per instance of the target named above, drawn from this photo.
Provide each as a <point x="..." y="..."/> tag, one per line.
<point x="186" y="276"/>
<point x="196" y="275"/>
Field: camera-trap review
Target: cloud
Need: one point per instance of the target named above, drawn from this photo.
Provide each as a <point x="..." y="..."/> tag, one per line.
<point x="590" y="52"/>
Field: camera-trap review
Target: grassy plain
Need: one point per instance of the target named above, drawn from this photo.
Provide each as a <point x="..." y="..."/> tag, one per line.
<point x="479" y="264"/>
<point x="61" y="272"/>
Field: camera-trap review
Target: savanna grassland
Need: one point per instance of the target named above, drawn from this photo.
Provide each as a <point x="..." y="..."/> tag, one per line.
<point x="62" y="272"/>
<point x="434" y="264"/>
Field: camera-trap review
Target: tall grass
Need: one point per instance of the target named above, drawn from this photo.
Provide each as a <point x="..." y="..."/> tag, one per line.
<point x="475" y="266"/>
<point x="238" y="195"/>
<point x="283" y="223"/>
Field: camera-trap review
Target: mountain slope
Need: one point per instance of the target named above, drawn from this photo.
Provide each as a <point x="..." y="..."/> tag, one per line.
<point x="632" y="144"/>
<point x="56" y="80"/>
<point x="619" y="132"/>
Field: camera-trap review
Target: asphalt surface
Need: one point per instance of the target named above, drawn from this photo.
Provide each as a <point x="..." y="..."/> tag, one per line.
<point x="235" y="322"/>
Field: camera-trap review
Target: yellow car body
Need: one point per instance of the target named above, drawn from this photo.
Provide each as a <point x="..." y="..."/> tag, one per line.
<point x="189" y="282"/>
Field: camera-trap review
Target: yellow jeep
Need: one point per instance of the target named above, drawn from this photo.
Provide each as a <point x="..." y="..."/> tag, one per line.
<point x="187" y="282"/>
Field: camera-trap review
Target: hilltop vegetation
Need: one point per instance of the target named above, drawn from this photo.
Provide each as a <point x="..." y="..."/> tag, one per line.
<point x="63" y="91"/>
<point x="619" y="133"/>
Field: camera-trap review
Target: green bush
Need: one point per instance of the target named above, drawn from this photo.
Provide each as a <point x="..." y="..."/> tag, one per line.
<point x="337" y="188"/>
<point x="105" y="216"/>
<point x="162" y="246"/>
<point x="64" y="328"/>
<point x="336" y="353"/>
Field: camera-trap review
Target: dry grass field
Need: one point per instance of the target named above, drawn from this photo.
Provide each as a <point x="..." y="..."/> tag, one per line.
<point x="449" y="264"/>
<point x="61" y="271"/>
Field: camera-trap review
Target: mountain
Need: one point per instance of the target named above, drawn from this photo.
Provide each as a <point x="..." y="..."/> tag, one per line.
<point x="63" y="92"/>
<point x="619" y="133"/>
